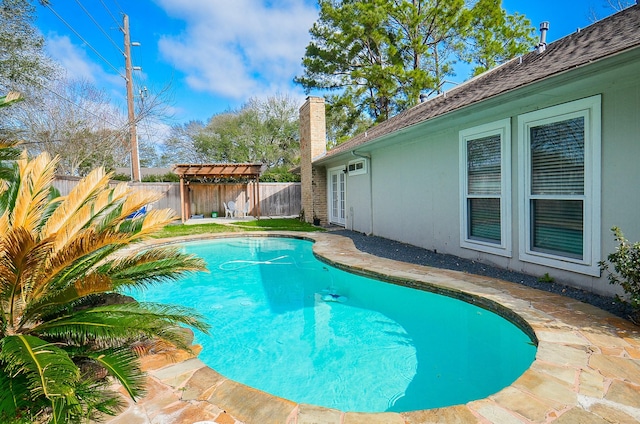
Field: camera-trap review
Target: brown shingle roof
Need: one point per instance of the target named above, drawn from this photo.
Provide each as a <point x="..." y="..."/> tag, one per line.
<point x="602" y="39"/>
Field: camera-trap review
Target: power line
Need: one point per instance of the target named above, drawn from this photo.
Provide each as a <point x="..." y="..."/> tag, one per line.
<point x="84" y="41"/>
<point x="117" y="129"/>
<point x="99" y="27"/>
<point x="111" y="14"/>
<point x="118" y="6"/>
<point x="117" y="126"/>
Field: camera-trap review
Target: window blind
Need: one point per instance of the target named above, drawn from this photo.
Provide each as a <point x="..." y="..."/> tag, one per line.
<point x="483" y="166"/>
<point x="557" y="158"/>
<point x="484" y="220"/>
<point x="558" y="227"/>
<point x="484" y="189"/>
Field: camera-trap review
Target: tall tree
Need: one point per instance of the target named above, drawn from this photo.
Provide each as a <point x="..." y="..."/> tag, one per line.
<point x="380" y="55"/>
<point x="496" y="36"/>
<point x="179" y="146"/>
<point x="77" y="122"/>
<point x="352" y="50"/>
<point x="8" y="151"/>
<point x="22" y="58"/>
<point x="264" y="131"/>
<point x="430" y="36"/>
<point x="343" y="120"/>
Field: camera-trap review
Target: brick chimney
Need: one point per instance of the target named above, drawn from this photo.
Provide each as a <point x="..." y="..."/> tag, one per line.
<point x="313" y="145"/>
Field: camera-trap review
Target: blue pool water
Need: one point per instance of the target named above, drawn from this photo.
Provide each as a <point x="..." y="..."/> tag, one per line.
<point x="287" y="324"/>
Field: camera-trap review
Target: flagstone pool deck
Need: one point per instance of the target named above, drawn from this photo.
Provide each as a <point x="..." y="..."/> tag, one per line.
<point x="587" y="367"/>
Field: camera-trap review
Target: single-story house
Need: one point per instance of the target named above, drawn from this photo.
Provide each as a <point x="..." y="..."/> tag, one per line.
<point x="527" y="166"/>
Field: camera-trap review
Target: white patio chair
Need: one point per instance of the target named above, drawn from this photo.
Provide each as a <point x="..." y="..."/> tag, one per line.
<point x="229" y="209"/>
<point x="245" y="210"/>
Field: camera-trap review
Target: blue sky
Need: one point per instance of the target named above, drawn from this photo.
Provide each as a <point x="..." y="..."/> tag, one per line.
<point x="217" y="54"/>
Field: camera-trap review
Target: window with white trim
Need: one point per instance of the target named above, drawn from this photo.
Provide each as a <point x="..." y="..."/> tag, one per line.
<point x="485" y="221"/>
<point x="560" y="186"/>
<point x="357" y="167"/>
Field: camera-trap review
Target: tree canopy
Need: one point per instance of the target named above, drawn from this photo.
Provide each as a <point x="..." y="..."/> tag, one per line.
<point x="261" y="131"/>
<point x="379" y="55"/>
<point x="22" y="58"/>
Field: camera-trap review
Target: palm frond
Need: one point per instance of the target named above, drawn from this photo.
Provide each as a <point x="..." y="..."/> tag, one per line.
<point x="10" y="98"/>
<point x="65" y="217"/>
<point x="8" y="150"/>
<point x="111" y="324"/>
<point x="97" y="398"/>
<point x="32" y="199"/>
<point x="13" y="394"/>
<point x="9" y="194"/>
<point x="152" y="266"/>
<point x="48" y="369"/>
<point x="139" y="198"/>
<point x="63" y="268"/>
<point x="52" y="204"/>
<point x="108" y="208"/>
<point x="51" y="303"/>
<point x="122" y="364"/>
<point x="8" y="169"/>
<point x="14" y="251"/>
<point x="155" y="220"/>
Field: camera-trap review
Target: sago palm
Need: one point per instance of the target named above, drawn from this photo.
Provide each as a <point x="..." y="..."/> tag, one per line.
<point x="59" y="256"/>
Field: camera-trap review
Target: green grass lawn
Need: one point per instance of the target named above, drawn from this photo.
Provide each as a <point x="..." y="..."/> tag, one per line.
<point x="283" y="224"/>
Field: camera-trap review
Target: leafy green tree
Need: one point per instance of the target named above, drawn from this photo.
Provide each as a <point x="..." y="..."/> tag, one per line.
<point x="280" y="174"/>
<point x="60" y="259"/>
<point x="262" y="131"/>
<point x="22" y="58"/>
<point x="352" y="50"/>
<point x="229" y="137"/>
<point x="381" y="55"/>
<point x="343" y="120"/>
<point x="496" y="36"/>
<point x="429" y="35"/>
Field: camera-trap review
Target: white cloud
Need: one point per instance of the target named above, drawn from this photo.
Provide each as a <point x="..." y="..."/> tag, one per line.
<point x="77" y="64"/>
<point x="241" y="48"/>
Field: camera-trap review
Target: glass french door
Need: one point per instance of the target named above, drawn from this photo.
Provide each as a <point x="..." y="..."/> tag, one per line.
<point x="337" y="189"/>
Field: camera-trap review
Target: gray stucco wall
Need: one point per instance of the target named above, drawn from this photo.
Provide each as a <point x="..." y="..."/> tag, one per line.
<point x="415" y="188"/>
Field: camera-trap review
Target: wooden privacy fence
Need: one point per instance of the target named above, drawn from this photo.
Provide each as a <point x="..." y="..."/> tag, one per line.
<point x="276" y="199"/>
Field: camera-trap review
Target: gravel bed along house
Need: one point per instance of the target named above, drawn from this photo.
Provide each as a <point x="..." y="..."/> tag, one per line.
<point x="398" y="251"/>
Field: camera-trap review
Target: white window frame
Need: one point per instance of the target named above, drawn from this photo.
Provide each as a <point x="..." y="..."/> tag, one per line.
<point x="590" y="109"/>
<point x="360" y="171"/>
<point x="503" y="129"/>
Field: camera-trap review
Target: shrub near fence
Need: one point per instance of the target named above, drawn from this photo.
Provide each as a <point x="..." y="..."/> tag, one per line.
<point x="276" y="199"/>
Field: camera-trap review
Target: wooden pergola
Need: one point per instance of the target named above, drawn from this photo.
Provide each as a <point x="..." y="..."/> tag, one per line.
<point x="217" y="170"/>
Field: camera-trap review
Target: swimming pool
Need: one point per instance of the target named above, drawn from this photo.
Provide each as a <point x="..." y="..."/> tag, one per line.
<point x="292" y="326"/>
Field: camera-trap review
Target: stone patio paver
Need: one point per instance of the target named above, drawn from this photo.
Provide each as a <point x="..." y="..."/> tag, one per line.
<point x="611" y="415"/>
<point x="580" y="416"/>
<point x="587" y="368"/>
<point x="310" y="414"/>
<point x="380" y="418"/>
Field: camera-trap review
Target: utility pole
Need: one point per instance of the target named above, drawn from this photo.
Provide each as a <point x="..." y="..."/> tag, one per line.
<point x="135" y="160"/>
